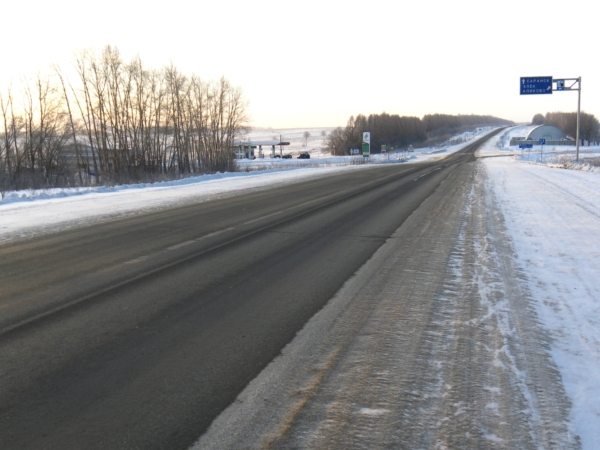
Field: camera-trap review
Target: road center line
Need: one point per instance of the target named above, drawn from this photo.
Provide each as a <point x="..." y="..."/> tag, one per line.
<point x="263" y="217"/>
<point x="178" y="246"/>
<point x="425" y="174"/>
<point x="183" y="244"/>
<point x="137" y="260"/>
<point x="304" y="204"/>
<point x="216" y="233"/>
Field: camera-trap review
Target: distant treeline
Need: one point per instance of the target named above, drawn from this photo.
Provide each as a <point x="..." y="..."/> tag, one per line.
<point x="589" y="128"/>
<point x="116" y="121"/>
<point x="400" y="132"/>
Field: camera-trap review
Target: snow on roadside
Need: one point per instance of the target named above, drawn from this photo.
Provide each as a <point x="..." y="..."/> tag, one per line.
<point x="556" y="156"/>
<point x="28" y="213"/>
<point x="315" y="143"/>
<point x="553" y="218"/>
<point x="552" y="215"/>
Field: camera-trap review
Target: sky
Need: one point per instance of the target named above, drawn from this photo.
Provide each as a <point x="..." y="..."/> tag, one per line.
<point x="316" y="63"/>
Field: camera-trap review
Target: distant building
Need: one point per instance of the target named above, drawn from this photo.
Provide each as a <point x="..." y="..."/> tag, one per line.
<point x="245" y="149"/>
<point x="547" y="132"/>
<point x="552" y="135"/>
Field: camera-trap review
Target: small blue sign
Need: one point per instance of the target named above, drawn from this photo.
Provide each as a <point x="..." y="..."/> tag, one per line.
<point x="560" y="85"/>
<point x="525" y="145"/>
<point x="536" y="85"/>
<point x="542" y="141"/>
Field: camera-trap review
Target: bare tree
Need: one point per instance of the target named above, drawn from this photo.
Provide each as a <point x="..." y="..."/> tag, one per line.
<point x="305" y="136"/>
<point x="538" y="119"/>
<point x="9" y="142"/>
<point x="118" y="122"/>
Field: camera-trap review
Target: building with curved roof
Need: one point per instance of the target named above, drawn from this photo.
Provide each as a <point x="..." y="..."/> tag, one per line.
<point x="551" y="134"/>
<point x="548" y="132"/>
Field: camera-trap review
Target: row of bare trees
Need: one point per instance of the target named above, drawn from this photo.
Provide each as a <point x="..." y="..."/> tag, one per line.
<point x="400" y="132"/>
<point x="389" y="129"/>
<point x="116" y="122"/>
<point x="444" y="125"/>
<point x="589" y="126"/>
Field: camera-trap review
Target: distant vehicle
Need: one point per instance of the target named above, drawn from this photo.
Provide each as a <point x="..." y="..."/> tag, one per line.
<point x="304" y="155"/>
<point x="287" y="156"/>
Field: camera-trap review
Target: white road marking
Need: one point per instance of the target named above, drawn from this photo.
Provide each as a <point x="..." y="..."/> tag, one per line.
<point x="178" y="246"/>
<point x="216" y="233"/>
<point x="137" y="260"/>
<point x="425" y="174"/>
<point x="263" y="217"/>
<point x="304" y="204"/>
<point x="183" y="244"/>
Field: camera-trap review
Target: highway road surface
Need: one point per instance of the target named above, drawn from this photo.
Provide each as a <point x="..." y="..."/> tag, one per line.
<point x="140" y="332"/>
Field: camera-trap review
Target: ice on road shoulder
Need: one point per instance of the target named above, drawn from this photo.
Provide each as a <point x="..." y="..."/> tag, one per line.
<point x="28" y="213"/>
<point x="553" y="218"/>
<point x="31" y="212"/>
<point x="460" y="332"/>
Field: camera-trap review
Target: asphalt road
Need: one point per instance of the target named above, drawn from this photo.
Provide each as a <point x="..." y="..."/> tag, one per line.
<point x="137" y="333"/>
<point x="433" y="344"/>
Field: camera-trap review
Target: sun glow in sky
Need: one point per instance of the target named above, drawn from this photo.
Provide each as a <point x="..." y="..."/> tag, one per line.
<point x="316" y="63"/>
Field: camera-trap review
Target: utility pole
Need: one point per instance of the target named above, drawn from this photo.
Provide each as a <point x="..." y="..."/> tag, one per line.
<point x="561" y="85"/>
<point x="578" y="122"/>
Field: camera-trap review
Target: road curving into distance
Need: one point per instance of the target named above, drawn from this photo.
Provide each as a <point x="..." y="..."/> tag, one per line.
<point x="138" y="332"/>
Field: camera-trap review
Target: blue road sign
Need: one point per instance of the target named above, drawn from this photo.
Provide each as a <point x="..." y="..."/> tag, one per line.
<point x="525" y="145"/>
<point x="542" y="141"/>
<point x="560" y="85"/>
<point x="536" y="85"/>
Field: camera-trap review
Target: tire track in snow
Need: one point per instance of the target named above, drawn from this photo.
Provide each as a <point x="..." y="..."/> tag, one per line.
<point x="438" y="346"/>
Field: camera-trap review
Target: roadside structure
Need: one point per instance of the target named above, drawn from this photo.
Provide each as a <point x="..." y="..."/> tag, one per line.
<point x="553" y="136"/>
<point x="246" y="149"/>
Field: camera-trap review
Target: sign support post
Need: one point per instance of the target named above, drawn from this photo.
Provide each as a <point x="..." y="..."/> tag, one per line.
<point x="543" y="85"/>
<point x="578" y="122"/>
<point x="366" y="146"/>
<point x="561" y="86"/>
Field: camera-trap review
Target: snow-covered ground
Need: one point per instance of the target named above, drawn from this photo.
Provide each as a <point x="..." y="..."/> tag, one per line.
<point x="533" y="229"/>
<point x="553" y="218"/>
<point x="316" y="142"/>
<point x="26" y="213"/>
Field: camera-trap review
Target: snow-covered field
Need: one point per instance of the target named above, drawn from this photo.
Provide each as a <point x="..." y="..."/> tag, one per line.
<point x="316" y="142"/>
<point x="26" y="213"/>
<point x="552" y="216"/>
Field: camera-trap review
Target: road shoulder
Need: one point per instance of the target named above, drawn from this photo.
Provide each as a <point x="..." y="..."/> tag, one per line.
<point x="433" y="344"/>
